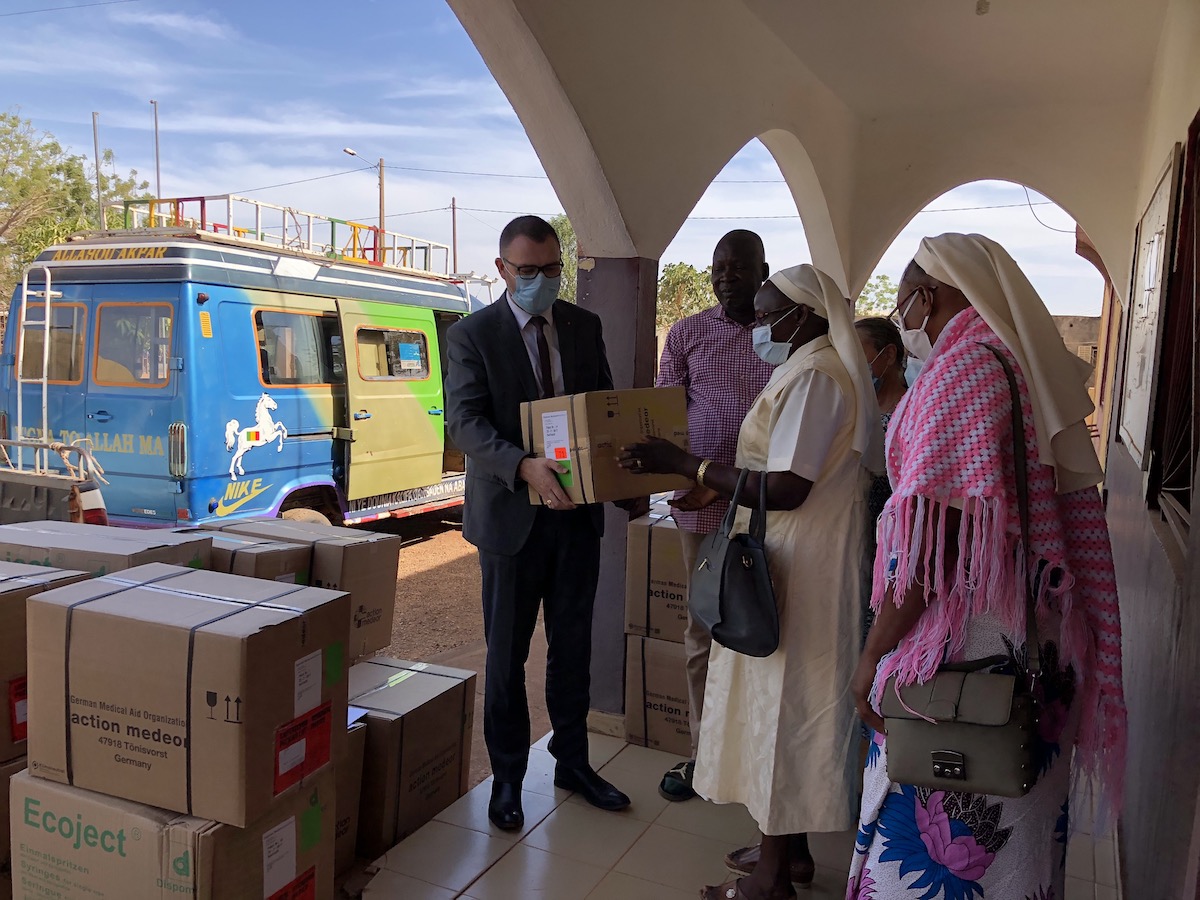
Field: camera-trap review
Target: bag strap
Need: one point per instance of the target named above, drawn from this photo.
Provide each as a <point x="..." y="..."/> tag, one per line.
<point x="731" y="513"/>
<point x="758" y="518"/>
<point x="1021" y="475"/>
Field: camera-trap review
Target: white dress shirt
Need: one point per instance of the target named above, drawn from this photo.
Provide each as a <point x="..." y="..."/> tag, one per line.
<point x="529" y="333"/>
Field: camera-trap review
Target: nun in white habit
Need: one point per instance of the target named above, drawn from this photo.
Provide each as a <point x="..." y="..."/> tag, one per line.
<point x="780" y="733"/>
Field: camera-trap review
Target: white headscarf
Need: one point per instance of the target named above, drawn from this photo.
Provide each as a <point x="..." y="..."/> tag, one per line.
<point x="809" y="286"/>
<point x="995" y="286"/>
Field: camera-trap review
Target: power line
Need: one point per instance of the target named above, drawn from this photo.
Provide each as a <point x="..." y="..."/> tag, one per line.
<point x="1039" y="221"/>
<point x="29" y="12"/>
<point x="302" y="180"/>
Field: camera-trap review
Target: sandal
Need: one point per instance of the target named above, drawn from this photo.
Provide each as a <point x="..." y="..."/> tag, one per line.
<point x="731" y="890"/>
<point x="743" y="861"/>
<point x="676" y="785"/>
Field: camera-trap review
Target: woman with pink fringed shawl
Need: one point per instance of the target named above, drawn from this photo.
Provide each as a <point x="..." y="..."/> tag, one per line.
<point x="947" y="586"/>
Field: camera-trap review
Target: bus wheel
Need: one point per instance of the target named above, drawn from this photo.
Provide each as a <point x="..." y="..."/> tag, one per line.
<point x="302" y="514"/>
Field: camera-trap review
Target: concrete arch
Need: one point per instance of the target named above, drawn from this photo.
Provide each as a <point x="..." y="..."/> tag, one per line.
<point x="525" y="74"/>
<point x="904" y="164"/>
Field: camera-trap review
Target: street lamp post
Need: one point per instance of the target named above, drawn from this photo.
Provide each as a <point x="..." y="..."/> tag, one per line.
<point x="157" y="166"/>
<point x="382" y="217"/>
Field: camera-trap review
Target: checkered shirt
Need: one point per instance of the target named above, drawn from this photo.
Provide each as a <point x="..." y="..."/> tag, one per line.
<point x="713" y="358"/>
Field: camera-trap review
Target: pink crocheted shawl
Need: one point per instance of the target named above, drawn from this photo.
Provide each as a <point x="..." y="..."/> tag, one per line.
<point x="950" y="442"/>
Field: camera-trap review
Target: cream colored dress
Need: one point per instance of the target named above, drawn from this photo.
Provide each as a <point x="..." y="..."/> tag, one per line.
<point x="780" y="734"/>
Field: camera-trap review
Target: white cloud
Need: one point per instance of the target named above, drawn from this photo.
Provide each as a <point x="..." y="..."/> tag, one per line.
<point x="178" y="26"/>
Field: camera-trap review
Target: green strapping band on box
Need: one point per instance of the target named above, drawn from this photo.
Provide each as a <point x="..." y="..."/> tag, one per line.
<point x="310" y="827"/>
<point x="335" y="654"/>
<point x="399" y="677"/>
<point x="565" y="478"/>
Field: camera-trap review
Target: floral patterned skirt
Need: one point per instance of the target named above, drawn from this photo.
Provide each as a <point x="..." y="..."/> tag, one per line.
<point x="924" y="844"/>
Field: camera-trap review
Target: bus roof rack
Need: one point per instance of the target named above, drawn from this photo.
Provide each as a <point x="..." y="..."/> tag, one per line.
<point x="256" y="223"/>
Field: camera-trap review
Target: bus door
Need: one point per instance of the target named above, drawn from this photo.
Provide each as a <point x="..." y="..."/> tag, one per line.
<point x="69" y="321"/>
<point x="133" y="378"/>
<point x="393" y="398"/>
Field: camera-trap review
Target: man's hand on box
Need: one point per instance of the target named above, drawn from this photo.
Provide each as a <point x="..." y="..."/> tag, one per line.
<point x="542" y="475"/>
<point x="695" y="499"/>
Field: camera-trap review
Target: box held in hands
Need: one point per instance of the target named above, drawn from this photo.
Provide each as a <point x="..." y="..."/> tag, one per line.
<point x="585" y="433"/>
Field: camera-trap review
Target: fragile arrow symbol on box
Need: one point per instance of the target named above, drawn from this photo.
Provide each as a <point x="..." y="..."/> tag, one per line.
<point x="237" y="720"/>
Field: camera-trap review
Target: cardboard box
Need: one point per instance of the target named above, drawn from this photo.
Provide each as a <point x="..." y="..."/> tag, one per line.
<point x="7" y="771"/>
<point x="70" y="842"/>
<point x="362" y="563"/>
<point x="656" y="601"/>
<point x="656" y="696"/>
<point x="199" y="692"/>
<point x="348" y="767"/>
<point x="418" y="760"/>
<point x="255" y="557"/>
<point x="586" y="432"/>
<point x="17" y="584"/>
<point x="100" y="549"/>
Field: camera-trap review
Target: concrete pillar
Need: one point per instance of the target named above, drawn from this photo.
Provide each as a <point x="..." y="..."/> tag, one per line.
<point x="622" y="291"/>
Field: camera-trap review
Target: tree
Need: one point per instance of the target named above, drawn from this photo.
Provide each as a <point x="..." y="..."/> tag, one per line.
<point x="46" y="194"/>
<point x="682" y="291"/>
<point x="878" y="297"/>
<point x="570" y="256"/>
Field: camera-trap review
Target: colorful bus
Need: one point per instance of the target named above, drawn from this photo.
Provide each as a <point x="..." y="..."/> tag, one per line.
<point x="291" y="367"/>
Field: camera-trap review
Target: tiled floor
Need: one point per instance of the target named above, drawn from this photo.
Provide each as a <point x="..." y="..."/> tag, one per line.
<point x="654" y="851"/>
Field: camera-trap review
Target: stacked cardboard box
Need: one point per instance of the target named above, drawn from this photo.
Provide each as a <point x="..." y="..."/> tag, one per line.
<point x="100" y="549"/>
<point x="656" y="694"/>
<point x="241" y="554"/>
<point x="182" y="729"/>
<point x="362" y="563"/>
<point x="419" y="720"/>
<point x="17" y="584"/>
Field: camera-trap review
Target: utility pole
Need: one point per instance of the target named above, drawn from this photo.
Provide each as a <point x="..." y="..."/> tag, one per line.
<point x="157" y="165"/>
<point x="96" y="142"/>
<point x="382" y="223"/>
<point x="454" y="231"/>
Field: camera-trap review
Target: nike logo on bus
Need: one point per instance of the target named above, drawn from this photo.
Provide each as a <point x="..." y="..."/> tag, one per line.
<point x="239" y="494"/>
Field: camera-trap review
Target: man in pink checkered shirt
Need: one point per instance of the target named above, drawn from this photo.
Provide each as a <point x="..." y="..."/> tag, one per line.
<point x="711" y="355"/>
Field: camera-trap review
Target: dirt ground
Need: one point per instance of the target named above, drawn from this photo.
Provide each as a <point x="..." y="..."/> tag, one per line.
<point x="437" y="588"/>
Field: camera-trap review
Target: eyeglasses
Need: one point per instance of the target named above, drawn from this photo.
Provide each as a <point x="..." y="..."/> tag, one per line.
<point x="897" y="315"/>
<point x="761" y="318"/>
<point x="528" y="273"/>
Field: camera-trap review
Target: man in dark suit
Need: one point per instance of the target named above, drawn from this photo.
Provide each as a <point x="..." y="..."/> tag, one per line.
<point x="525" y="346"/>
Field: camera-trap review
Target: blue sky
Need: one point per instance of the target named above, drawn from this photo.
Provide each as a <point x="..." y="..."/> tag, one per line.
<point x="256" y="94"/>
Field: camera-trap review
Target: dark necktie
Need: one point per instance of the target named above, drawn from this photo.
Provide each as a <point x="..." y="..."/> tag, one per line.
<point x="544" y="356"/>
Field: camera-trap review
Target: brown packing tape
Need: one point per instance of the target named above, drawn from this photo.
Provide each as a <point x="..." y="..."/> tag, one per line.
<point x="125" y="584"/>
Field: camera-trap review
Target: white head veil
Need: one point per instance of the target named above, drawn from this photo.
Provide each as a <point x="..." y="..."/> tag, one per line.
<point x="995" y="286"/>
<point x="809" y="286"/>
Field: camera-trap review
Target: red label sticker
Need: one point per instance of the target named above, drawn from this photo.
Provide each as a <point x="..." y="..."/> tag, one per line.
<point x="18" y="715"/>
<point x="560" y="452"/>
<point x="302" y="746"/>
<point x="303" y="888"/>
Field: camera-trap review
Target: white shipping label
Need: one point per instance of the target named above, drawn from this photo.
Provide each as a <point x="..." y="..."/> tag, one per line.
<point x="556" y="434"/>
<point x="308" y="683"/>
<point x="21" y="712"/>
<point x="292" y="756"/>
<point x="279" y="857"/>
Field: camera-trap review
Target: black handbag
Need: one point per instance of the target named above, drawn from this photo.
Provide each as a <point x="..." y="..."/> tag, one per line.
<point x="971" y="727"/>
<point x="731" y="594"/>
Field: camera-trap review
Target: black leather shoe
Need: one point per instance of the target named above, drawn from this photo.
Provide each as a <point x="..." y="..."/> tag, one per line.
<point x="505" y="808"/>
<point x="594" y="789"/>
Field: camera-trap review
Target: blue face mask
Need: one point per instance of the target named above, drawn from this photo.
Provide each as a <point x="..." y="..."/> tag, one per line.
<point x="773" y="353"/>
<point x="537" y="294"/>
<point x="912" y="369"/>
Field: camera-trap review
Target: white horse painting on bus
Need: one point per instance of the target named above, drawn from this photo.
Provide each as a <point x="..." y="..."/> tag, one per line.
<point x="262" y="432"/>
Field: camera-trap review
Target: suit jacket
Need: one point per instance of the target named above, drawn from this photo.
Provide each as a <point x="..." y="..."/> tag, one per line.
<point x="490" y="376"/>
